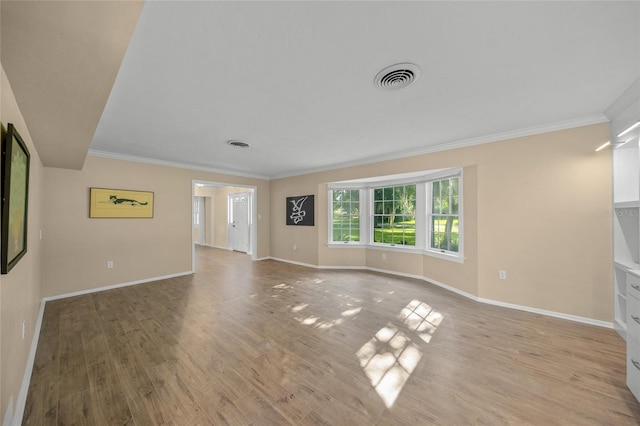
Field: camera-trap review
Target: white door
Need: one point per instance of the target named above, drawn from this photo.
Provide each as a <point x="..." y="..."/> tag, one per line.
<point x="239" y="204"/>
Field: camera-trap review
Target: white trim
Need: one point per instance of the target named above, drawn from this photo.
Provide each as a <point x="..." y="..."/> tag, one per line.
<point x="621" y="328"/>
<point x="496" y="137"/>
<point x="114" y="286"/>
<point x="262" y="258"/>
<point x="560" y="315"/>
<point x="450" y="256"/>
<point x="8" y="416"/>
<point x="22" y="396"/>
<point x="400" y="274"/>
<point x="347" y="244"/>
<point x="293" y="262"/>
<point x="145" y="160"/>
<point x="627" y="204"/>
<point x="343" y="268"/>
<point x="628" y="97"/>
<point x="569" y="317"/>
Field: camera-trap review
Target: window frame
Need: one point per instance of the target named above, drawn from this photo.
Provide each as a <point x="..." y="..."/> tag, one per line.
<point x="438" y="252"/>
<point x="330" y="215"/>
<point x="423" y="182"/>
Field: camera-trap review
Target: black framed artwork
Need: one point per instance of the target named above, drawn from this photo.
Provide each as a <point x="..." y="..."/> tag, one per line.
<point x="300" y="210"/>
<point x="15" y="197"/>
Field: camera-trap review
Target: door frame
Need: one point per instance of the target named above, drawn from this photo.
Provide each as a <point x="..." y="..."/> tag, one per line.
<point x="253" y="231"/>
<point x="231" y="212"/>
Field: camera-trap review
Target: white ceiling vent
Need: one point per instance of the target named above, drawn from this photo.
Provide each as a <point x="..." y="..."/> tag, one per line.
<point x="397" y="76"/>
<point x="237" y="143"/>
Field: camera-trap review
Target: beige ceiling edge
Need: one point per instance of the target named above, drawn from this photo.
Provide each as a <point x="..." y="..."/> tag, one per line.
<point x="62" y="59"/>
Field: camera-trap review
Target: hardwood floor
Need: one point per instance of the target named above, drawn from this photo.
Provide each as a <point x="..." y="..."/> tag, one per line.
<point x="268" y="343"/>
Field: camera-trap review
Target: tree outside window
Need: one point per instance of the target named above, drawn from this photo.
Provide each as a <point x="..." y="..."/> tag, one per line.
<point x="444" y="217"/>
<point x="394" y="215"/>
<point x="345" y="215"/>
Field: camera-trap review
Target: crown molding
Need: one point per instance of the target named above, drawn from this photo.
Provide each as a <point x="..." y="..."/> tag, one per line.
<point x="496" y="137"/>
<point x="628" y="97"/>
<point x="135" y="159"/>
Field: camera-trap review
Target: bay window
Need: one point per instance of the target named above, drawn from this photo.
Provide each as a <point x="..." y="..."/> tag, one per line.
<point x="411" y="212"/>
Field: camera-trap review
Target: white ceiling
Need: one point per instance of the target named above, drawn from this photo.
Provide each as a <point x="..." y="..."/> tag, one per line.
<point x="295" y="79"/>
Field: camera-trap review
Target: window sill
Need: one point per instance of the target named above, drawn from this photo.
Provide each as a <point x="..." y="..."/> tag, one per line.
<point x="445" y="256"/>
<point x="400" y="249"/>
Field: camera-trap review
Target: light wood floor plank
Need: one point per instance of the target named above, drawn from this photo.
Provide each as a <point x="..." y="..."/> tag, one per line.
<point x="268" y="343"/>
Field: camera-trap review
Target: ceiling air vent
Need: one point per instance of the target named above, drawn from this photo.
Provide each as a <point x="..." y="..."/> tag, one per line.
<point x="397" y="76"/>
<point x="237" y="143"/>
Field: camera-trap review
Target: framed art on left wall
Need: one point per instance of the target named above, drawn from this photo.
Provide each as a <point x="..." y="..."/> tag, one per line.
<point x="120" y="203"/>
<point x="15" y="199"/>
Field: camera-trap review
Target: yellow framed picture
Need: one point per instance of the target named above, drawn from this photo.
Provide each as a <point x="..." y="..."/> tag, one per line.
<point x="120" y="203"/>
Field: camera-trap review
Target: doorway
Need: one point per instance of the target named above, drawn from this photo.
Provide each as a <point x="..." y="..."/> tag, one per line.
<point x="218" y="213"/>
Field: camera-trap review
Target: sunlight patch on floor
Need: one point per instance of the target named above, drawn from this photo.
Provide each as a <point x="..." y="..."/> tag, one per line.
<point x="421" y="318"/>
<point x="299" y="307"/>
<point x="282" y="286"/>
<point x="389" y="358"/>
<point x="351" y="312"/>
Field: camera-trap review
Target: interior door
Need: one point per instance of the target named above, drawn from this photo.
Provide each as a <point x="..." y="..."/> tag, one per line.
<point x="240" y="221"/>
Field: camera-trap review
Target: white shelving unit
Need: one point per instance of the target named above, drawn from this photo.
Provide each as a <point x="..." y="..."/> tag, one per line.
<point x="626" y="198"/>
<point x="626" y="225"/>
<point x="624" y="113"/>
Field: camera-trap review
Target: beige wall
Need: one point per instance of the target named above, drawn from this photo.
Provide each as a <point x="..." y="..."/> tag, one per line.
<point x="534" y="206"/>
<point x="21" y="289"/>
<point x="140" y="248"/>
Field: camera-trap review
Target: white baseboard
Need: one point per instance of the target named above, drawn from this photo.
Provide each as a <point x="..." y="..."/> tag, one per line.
<point x="22" y="396"/>
<point x="111" y="287"/>
<point x="554" y="314"/>
<point x="8" y="416"/>
<point x="561" y="315"/>
<point x="343" y="268"/>
<point x="293" y="262"/>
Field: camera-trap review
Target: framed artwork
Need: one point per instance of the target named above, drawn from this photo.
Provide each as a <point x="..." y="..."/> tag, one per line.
<point x="300" y="210"/>
<point x="120" y="203"/>
<point x="15" y="199"/>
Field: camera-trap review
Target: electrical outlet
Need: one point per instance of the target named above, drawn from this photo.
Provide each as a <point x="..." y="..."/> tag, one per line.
<point x="295" y="247"/>
<point x="109" y="264"/>
<point x="384" y="256"/>
<point x="502" y="275"/>
<point x="24" y="328"/>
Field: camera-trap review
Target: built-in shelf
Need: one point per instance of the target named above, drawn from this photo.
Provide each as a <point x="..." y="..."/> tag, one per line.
<point x="625" y="215"/>
<point x="626" y="265"/>
<point x="633" y="204"/>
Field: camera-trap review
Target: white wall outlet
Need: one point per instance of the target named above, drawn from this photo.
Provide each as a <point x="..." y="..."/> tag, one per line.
<point x="109" y="264"/>
<point x="41" y="234"/>
<point x="295" y="247"/>
<point x="24" y="328"/>
<point x="384" y="256"/>
<point x="502" y="275"/>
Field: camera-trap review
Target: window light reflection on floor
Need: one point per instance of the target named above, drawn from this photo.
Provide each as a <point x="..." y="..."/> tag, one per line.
<point x="389" y="358"/>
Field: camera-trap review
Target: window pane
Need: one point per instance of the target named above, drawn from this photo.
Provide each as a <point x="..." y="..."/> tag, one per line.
<point x="388" y="193"/>
<point x="454" y="205"/>
<point x="378" y="207"/>
<point x="377" y="194"/>
<point x="355" y="195"/>
<point x="398" y="192"/>
<point x="345" y="216"/>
